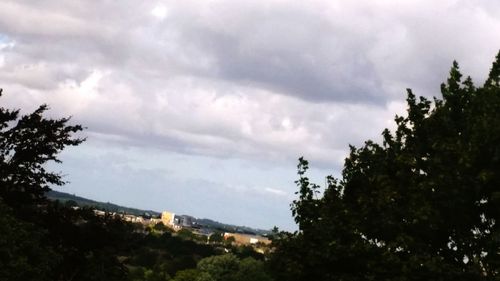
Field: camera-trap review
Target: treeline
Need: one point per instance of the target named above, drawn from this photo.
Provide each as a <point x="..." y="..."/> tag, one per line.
<point x="104" y="206"/>
<point x="74" y="244"/>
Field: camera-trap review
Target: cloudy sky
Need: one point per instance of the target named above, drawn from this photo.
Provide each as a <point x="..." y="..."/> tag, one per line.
<point x="203" y="107"/>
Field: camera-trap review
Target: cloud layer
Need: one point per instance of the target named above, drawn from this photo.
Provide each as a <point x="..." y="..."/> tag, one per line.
<point x="263" y="82"/>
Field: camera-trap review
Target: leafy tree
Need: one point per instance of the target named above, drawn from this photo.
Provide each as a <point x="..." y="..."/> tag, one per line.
<point x="225" y="268"/>
<point x="423" y="205"/>
<point x="219" y="268"/>
<point x="23" y="256"/>
<point x="161" y="228"/>
<point x="246" y="251"/>
<point x="216" y="237"/>
<point x="187" y="234"/>
<point x="155" y="275"/>
<point x="40" y="239"/>
<point x="89" y="245"/>
<point x="27" y="143"/>
<point x="187" y="275"/>
<point x="230" y="268"/>
<point x="252" y="270"/>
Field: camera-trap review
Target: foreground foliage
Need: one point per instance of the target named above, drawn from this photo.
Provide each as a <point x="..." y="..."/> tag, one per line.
<point x="423" y="205"/>
<point x="225" y="268"/>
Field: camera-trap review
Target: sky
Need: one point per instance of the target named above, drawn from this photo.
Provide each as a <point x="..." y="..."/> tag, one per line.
<point x="204" y="107"/>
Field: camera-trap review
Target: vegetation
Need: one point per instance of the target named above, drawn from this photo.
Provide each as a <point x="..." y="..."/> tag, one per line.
<point x="423" y="205"/>
<point x="225" y="268"/>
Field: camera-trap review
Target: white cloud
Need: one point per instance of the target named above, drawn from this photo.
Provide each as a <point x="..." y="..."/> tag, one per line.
<point x="159" y="12"/>
<point x="263" y="81"/>
<point x="275" y="191"/>
<point x="239" y="78"/>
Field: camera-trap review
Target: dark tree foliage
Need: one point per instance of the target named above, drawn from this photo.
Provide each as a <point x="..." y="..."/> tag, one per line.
<point x="43" y="240"/>
<point x="225" y="268"/>
<point x="23" y="255"/>
<point x="423" y="205"/>
<point x="27" y="143"/>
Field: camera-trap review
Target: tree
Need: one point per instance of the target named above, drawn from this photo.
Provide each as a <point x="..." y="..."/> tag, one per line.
<point x="27" y="143"/>
<point x="216" y="237"/>
<point x="22" y="254"/>
<point x="187" y="275"/>
<point x="187" y="234"/>
<point x="423" y="205"/>
<point x="40" y="239"/>
<point x="251" y="269"/>
<point x="230" y="268"/>
<point x="160" y="227"/>
<point x="219" y="268"/>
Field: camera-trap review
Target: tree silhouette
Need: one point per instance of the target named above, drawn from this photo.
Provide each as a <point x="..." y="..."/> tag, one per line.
<point x="423" y="205"/>
<point x="27" y="143"/>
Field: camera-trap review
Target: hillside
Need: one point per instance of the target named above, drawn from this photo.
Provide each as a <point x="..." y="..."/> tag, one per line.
<point x="110" y="207"/>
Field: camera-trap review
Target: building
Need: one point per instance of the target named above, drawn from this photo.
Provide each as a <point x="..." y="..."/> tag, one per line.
<point x="184" y="221"/>
<point x="132" y="218"/>
<point x="177" y="222"/>
<point x="153" y="221"/>
<point x="167" y="218"/>
<point x="247" y="239"/>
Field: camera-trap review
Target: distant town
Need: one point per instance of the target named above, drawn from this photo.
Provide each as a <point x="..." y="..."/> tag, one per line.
<point x="242" y="236"/>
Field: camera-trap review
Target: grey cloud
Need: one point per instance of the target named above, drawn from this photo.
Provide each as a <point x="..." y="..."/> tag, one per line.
<point x="292" y="58"/>
<point x="361" y="53"/>
<point x="241" y="79"/>
<point x="294" y="51"/>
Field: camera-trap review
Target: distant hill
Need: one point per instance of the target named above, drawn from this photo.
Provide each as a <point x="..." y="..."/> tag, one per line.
<point x="110" y="207"/>
<point x="231" y="228"/>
